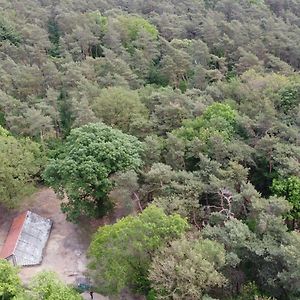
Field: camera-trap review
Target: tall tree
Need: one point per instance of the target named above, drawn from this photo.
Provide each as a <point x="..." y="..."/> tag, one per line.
<point x="83" y="168"/>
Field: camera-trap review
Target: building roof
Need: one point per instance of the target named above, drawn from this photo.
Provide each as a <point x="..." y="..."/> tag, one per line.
<point x="13" y="236"/>
<point x="26" y="239"/>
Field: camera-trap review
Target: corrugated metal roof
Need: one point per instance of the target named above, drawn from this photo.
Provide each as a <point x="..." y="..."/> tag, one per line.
<point x="13" y="236"/>
<point x="27" y="239"/>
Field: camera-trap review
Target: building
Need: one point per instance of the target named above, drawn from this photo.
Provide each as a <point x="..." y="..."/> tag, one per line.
<point x="26" y="239"/>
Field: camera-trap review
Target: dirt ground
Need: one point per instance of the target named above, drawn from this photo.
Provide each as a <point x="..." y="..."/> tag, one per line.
<point x="67" y="245"/>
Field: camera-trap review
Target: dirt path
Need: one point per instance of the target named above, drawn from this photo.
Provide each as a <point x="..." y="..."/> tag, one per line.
<point x="67" y="245"/>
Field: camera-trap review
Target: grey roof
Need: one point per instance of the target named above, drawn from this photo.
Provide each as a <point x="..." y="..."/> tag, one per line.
<point x="32" y="240"/>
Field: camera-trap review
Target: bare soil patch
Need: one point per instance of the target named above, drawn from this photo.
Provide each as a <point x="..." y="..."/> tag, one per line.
<point x="65" y="252"/>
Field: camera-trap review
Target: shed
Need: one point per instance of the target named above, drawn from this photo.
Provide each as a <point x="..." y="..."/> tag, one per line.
<point x="26" y="239"/>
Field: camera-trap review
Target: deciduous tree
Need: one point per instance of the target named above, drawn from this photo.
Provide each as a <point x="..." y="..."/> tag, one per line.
<point x="10" y="283"/>
<point x="21" y="161"/>
<point x="290" y="189"/>
<point x="83" y="168"/>
<point x="47" y="286"/>
<point x="121" y="253"/>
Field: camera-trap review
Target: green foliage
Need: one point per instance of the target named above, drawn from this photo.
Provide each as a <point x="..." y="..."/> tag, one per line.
<point x="65" y="113"/>
<point x="44" y="286"/>
<point x="187" y="269"/>
<point x="83" y="167"/>
<point x="135" y="24"/>
<point x="8" y="32"/>
<point x="3" y="132"/>
<point x="174" y="191"/>
<point x="181" y="204"/>
<point x="47" y="286"/>
<point x="259" y="253"/>
<point x="211" y="87"/>
<point x="21" y="163"/>
<point x="290" y="189"/>
<point x="121" y="253"/>
<point x="182" y="86"/>
<point x="156" y="77"/>
<point x="99" y="19"/>
<point x="119" y="107"/>
<point x="54" y="36"/>
<point x="289" y="98"/>
<point x="217" y="119"/>
<point x="10" y="283"/>
<point x="251" y="292"/>
<point x="290" y="276"/>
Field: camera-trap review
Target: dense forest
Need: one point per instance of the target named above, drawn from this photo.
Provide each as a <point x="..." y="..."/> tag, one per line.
<point x="184" y="113"/>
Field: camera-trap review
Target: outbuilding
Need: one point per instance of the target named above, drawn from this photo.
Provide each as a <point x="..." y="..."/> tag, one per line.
<point x="26" y="239"/>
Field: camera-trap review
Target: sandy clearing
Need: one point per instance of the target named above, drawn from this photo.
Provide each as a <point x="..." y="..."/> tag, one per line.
<point x="67" y="245"/>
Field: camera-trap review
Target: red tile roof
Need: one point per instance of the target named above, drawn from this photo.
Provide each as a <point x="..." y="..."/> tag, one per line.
<point x="13" y="236"/>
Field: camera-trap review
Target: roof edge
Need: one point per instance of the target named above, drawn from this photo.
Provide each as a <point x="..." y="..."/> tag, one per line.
<point x="7" y="249"/>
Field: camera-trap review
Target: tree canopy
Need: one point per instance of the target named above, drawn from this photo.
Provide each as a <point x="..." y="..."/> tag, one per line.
<point x="173" y="268"/>
<point x="290" y="189"/>
<point x="21" y="163"/>
<point x="187" y="112"/>
<point x="83" y="167"/>
<point x="121" y="253"/>
<point x="47" y="286"/>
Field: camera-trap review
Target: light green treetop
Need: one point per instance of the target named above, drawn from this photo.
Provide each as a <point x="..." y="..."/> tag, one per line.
<point x="218" y="119"/>
<point x="10" y="283"/>
<point x="47" y="286"/>
<point x="121" y="253"/>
